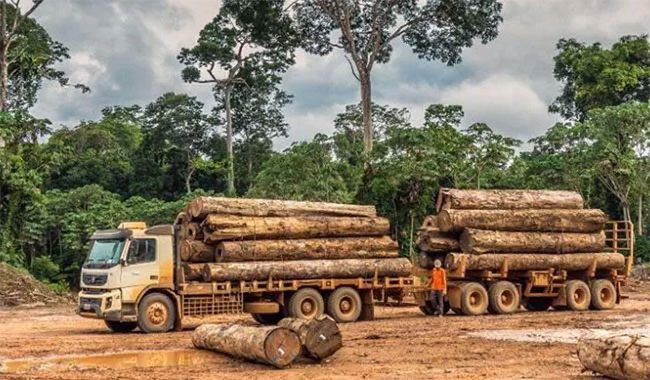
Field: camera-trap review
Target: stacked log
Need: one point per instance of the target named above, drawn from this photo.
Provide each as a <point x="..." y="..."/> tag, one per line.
<point x="234" y="239"/>
<point x="520" y="229"/>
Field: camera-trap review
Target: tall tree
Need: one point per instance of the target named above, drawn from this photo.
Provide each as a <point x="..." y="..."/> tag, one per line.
<point x="435" y="30"/>
<point x="254" y="33"/>
<point x="489" y="154"/>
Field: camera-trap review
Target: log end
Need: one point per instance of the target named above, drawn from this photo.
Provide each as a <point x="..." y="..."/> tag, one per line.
<point x="281" y="347"/>
<point x="324" y="339"/>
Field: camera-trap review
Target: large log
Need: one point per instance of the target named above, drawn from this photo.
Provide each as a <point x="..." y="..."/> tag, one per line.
<point x="485" y="241"/>
<point x="181" y="218"/>
<point x="536" y="261"/>
<point x="430" y="221"/>
<point x="431" y="239"/>
<point x="197" y="251"/>
<point x="194" y="231"/>
<point x="616" y="355"/>
<point x="508" y="199"/>
<point x="306" y="269"/>
<point x="193" y="272"/>
<point x="307" y="249"/>
<point x="426" y="260"/>
<point x="200" y="207"/>
<point x="591" y="220"/>
<point x="277" y="346"/>
<point x="228" y="227"/>
<point x="320" y="337"/>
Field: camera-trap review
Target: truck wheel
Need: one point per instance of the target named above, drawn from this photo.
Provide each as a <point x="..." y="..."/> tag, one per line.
<point x="306" y="303"/>
<point x="156" y="313"/>
<point x="603" y="295"/>
<point x="538" y="304"/>
<point x="473" y="299"/>
<point x="504" y="298"/>
<point x="344" y="304"/>
<point x="578" y="295"/>
<point x="121" y="327"/>
<point x="268" y="319"/>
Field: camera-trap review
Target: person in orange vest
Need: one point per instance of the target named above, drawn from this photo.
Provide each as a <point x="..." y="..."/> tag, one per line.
<point x="438" y="287"/>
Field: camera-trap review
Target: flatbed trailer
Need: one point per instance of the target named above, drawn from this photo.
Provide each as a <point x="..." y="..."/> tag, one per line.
<point x="504" y="291"/>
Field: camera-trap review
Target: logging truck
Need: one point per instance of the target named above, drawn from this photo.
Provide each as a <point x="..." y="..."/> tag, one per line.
<point x="133" y="277"/>
<point x="574" y="281"/>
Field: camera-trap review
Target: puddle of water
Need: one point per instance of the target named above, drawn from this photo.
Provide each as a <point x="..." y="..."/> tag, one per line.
<point x="113" y="360"/>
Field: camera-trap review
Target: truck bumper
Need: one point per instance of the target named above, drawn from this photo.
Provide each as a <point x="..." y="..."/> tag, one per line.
<point x="107" y="305"/>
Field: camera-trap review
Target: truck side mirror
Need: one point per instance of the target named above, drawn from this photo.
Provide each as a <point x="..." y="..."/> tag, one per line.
<point x="123" y="262"/>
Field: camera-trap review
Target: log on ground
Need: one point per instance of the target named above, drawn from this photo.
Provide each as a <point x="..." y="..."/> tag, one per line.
<point x="197" y="251"/>
<point x="590" y="220"/>
<point x="486" y="241"/>
<point x="307" y="249"/>
<point x="193" y="272"/>
<point x="320" y="337"/>
<point x="228" y="227"/>
<point x="277" y="346"/>
<point x="200" y="207"/>
<point x="306" y="269"/>
<point x="431" y="239"/>
<point x="536" y="261"/>
<point x="616" y="355"/>
<point x="508" y="199"/>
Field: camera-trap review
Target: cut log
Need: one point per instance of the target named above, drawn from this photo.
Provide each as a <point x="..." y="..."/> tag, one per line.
<point x="181" y="218"/>
<point x="616" y="355"/>
<point x="484" y="241"/>
<point x="193" y="272"/>
<point x="430" y="221"/>
<point x="197" y="251"/>
<point x="277" y="346"/>
<point x="228" y="227"/>
<point x="306" y="269"/>
<point x="507" y="199"/>
<point x="194" y="231"/>
<point x="426" y="260"/>
<point x="307" y="249"/>
<point x="320" y="337"/>
<point x="523" y="220"/>
<point x="200" y="207"/>
<point x="431" y="239"/>
<point x="536" y="261"/>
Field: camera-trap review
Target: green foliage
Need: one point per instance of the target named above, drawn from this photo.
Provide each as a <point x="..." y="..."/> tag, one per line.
<point x="642" y="249"/>
<point x="44" y="269"/>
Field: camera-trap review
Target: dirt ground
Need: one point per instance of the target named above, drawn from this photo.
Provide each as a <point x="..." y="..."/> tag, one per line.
<point x="400" y="344"/>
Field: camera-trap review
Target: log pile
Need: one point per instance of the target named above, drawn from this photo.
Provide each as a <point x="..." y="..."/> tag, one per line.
<point x="237" y="239"/>
<point x="517" y="229"/>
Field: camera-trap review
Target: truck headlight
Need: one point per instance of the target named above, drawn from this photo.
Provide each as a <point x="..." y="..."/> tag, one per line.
<point x="109" y="302"/>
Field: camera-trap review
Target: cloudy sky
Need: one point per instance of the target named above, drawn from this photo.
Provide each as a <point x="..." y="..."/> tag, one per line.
<point x="125" y="50"/>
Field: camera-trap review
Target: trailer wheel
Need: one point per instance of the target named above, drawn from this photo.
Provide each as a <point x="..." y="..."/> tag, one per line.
<point x="268" y="319"/>
<point x="344" y="304"/>
<point x="504" y="298"/>
<point x="156" y="313"/>
<point x="306" y="303"/>
<point x="578" y="295"/>
<point x="473" y="299"/>
<point x="603" y="295"/>
<point x="121" y="327"/>
<point x="538" y="304"/>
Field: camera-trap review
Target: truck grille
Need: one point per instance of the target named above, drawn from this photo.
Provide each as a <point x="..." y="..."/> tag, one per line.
<point x="199" y="306"/>
<point x="94" y="279"/>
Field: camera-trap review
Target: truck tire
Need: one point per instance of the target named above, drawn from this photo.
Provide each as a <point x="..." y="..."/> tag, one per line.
<point x="306" y="303"/>
<point x="473" y="299"/>
<point x="121" y="327"/>
<point x="344" y="305"/>
<point x="268" y="319"/>
<point x="156" y="313"/>
<point x="603" y="295"/>
<point x="504" y="298"/>
<point x="538" y="304"/>
<point x="578" y="295"/>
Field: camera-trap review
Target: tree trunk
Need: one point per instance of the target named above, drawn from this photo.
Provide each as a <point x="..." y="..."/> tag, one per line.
<point x="639" y="222"/>
<point x="307" y="269"/>
<point x="229" y="141"/>
<point x="430" y="221"/>
<point x="277" y="346"/>
<point x="507" y="199"/>
<point x="587" y="220"/>
<point x="320" y="337"/>
<point x="193" y="272"/>
<point x="485" y="241"/>
<point x="197" y="251"/>
<point x="307" y="249"/>
<point x="366" y="109"/>
<point x="616" y="355"/>
<point x="4" y="73"/>
<point x="536" y="261"/>
<point x="200" y="207"/>
<point x="227" y="227"/>
<point x="194" y="231"/>
<point x="426" y="259"/>
<point x="181" y="218"/>
<point x="431" y="239"/>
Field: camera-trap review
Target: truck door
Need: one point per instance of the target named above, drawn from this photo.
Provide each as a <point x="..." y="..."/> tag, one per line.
<point x="140" y="268"/>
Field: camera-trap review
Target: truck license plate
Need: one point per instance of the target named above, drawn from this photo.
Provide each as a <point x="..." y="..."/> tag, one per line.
<point x="86" y="306"/>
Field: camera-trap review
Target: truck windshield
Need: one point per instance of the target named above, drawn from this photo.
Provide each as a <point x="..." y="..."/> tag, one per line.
<point x="104" y="253"/>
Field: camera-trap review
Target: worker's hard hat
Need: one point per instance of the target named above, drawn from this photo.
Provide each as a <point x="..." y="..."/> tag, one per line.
<point x="437" y="264"/>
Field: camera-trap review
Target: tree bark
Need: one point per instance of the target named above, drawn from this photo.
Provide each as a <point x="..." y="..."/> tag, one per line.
<point x="4" y="73"/>
<point x="320" y="337"/>
<point x="307" y="249"/>
<point x="616" y="355"/>
<point x="589" y="220"/>
<point x="431" y="239"/>
<point x="449" y="199"/>
<point x="200" y="207"/>
<point x="366" y="109"/>
<point x="307" y="269"/>
<point x="227" y="227"/>
<point x="197" y="252"/>
<point x="193" y="272"/>
<point x="430" y="221"/>
<point x="277" y="346"/>
<point x="181" y="218"/>
<point x="485" y="241"/>
<point x="536" y="261"/>
<point x="639" y="222"/>
<point x="229" y="140"/>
